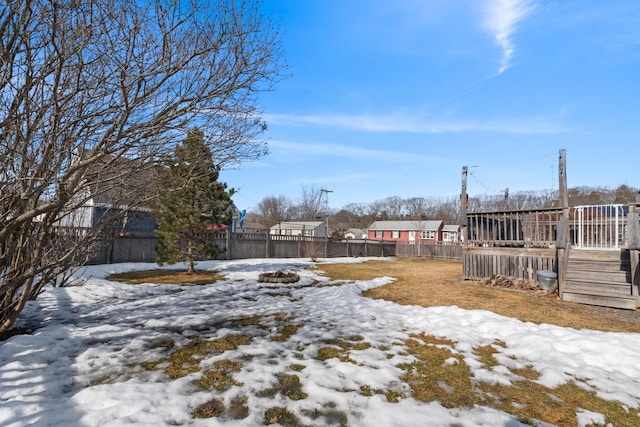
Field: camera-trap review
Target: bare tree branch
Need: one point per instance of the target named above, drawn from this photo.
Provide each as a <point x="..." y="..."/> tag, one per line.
<point x="93" y="94"/>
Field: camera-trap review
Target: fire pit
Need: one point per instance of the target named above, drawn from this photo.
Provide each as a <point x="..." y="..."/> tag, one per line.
<point x="280" y="276"/>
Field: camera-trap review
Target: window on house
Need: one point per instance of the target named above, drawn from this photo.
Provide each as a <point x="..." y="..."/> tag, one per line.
<point x="428" y="234"/>
<point x="395" y="234"/>
<point x="379" y="234"/>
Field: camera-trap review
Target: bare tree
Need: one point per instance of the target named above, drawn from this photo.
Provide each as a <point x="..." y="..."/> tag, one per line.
<point x="311" y="206"/>
<point x="272" y="210"/>
<point x="92" y="94"/>
<point x="360" y="215"/>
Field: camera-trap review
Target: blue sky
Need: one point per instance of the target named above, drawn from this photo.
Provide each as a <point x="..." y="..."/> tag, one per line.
<point x="392" y="98"/>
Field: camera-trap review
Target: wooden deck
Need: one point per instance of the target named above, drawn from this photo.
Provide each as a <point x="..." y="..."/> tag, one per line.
<point x="600" y="277"/>
<point x="520" y="243"/>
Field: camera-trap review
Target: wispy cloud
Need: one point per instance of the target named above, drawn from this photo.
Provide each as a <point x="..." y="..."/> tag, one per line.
<point x="501" y="20"/>
<point x="419" y="123"/>
<point x="339" y="179"/>
<point x="345" y="151"/>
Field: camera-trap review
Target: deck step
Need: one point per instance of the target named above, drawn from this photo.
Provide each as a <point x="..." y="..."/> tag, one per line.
<point x="599" y="277"/>
<point x="605" y="277"/>
<point x="605" y="301"/>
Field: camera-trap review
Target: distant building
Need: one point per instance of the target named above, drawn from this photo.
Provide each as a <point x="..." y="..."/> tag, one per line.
<point x="355" y="234"/>
<point x="406" y="231"/>
<point x="451" y="233"/>
<point x="300" y="228"/>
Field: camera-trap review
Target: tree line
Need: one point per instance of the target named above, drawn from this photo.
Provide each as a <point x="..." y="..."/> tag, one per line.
<point x="309" y="207"/>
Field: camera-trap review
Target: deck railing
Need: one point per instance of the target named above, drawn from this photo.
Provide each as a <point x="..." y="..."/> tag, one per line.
<point x="599" y="227"/>
<point x="590" y="227"/>
<point x="525" y="228"/>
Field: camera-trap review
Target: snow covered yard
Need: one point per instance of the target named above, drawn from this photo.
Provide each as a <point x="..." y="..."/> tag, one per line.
<point x="315" y="352"/>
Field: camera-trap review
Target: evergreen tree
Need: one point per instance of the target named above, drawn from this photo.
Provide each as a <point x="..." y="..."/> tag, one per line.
<point x="192" y="200"/>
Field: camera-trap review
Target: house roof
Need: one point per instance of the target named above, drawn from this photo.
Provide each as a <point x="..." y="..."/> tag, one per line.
<point x="355" y="231"/>
<point x="451" y="227"/>
<point x="406" y="225"/>
<point x="296" y="225"/>
<point x="118" y="180"/>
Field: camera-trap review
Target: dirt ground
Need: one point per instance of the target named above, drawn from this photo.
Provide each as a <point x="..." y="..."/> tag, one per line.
<point x="439" y="283"/>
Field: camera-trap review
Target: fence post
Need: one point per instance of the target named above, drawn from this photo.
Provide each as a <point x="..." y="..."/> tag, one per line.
<point x="228" y="243"/>
<point x="633" y="221"/>
<point x="562" y="253"/>
<point x="266" y="245"/>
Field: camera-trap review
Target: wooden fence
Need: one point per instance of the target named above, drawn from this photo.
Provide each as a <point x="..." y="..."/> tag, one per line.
<point x="249" y="245"/>
<point x="437" y="250"/>
<point x="481" y="262"/>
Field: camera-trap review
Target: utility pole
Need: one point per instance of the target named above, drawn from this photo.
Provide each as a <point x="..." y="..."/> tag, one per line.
<point x="463" y="204"/>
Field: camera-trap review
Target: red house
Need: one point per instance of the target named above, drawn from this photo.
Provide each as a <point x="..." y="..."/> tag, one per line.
<point x="406" y="231"/>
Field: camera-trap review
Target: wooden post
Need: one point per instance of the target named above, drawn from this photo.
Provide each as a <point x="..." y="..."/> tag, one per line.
<point x="463" y="205"/>
<point x="562" y="180"/>
<point x="633" y="229"/>
<point x="228" y="243"/>
<point x="266" y="245"/>
<point x="562" y="246"/>
<point x="562" y="253"/>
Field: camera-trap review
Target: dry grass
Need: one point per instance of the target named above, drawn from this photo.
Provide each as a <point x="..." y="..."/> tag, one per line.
<point x="169" y="277"/>
<point x="431" y="283"/>
<point x="432" y="378"/>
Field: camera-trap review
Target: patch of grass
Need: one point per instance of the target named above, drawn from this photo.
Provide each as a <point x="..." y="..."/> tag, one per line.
<point x="104" y="379"/>
<point x="328" y="414"/>
<point x="279" y="415"/>
<point x="431" y="283"/>
<point x="297" y="368"/>
<point x="528" y="372"/>
<point x="186" y="360"/>
<point x="210" y="409"/>
<point x="339" y="349"/>
<point x="486" y="353"/>
<point x="432" y="377"/>
<point x="285" y="332"/>
<point x="361" y="346"/>
<point x="326" y="353"/>
<point x="237" y="409"/>
<point x="287" y="385"/>
<point x="219" y="378"/>
<point x="393" y="396"/>
<point x="247" y="321"/>
<point x="170" y="277"/>
<point x="163" y="344"/>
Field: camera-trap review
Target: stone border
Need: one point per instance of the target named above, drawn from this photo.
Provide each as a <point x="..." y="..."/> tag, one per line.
<point x="279" y="276"/>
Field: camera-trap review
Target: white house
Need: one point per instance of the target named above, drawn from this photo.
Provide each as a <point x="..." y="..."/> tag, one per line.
<point x="355" y="234"/>
<point x="451" y="233"/>
<point x="300" y="228"/>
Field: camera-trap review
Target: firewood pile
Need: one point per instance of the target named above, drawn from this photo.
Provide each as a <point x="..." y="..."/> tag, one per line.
<point x="501" y="281"/>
